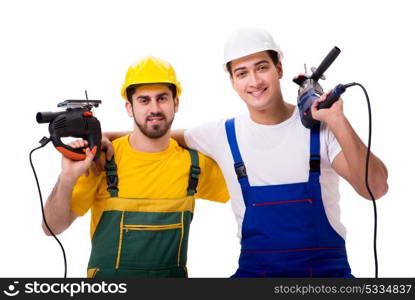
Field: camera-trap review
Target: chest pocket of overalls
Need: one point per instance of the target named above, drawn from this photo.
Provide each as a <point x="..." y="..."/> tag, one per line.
<point x="279" y="217"/>
<point x="151" y="246"/>
<point x="151" y="240"/>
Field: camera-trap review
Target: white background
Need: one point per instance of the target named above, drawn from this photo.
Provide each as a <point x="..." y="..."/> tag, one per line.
<point x="54" y="50"/>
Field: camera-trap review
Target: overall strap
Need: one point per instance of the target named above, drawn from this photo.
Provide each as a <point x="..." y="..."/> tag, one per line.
<point x="194" y="173"/>
<point x="112" y="177"/>
<point x="314" y="153"/>
<point x="237" y="159"/>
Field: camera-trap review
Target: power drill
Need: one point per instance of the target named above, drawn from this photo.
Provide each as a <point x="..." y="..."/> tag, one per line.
<point x="310" y="90"/>
<point x="76" y="120"/>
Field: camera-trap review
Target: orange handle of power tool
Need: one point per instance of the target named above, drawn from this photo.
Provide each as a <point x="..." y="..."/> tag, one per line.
<point x="73" y="155"/>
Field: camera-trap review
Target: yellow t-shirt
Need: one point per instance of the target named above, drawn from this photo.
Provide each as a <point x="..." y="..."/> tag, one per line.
<point x="148" y="175"/>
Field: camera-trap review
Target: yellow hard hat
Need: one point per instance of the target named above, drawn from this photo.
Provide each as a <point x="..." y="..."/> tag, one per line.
<point x="150" y="70"/>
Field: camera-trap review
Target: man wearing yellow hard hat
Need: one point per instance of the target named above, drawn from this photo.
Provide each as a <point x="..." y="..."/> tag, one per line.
<point x="142" y="206"/>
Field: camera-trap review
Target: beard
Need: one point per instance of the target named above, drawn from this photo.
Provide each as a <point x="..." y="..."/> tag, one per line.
<point x="157" y="130"/>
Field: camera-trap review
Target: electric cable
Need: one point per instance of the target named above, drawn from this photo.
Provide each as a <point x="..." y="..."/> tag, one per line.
<point x="367" y="176"/>
<point x="44" y="141"/>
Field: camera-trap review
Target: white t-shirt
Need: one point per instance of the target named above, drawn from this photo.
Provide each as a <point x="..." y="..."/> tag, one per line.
<point x="273" y="154"/>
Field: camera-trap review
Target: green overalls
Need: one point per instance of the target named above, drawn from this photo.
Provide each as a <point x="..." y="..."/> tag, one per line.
<point x="139" y="237"/>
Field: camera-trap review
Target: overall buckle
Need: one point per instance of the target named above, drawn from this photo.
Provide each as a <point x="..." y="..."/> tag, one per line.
<point x="240" y="169"/>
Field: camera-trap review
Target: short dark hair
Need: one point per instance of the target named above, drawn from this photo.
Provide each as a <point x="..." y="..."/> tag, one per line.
<point x="272" y="54"/>
<point x="131" y="89"/>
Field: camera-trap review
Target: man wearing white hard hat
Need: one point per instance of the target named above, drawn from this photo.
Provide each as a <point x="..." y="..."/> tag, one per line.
<point x="282" y="177"/>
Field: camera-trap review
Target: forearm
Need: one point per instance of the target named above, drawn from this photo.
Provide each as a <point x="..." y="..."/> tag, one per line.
<point x="115" y="135"/>
<point x="57" y="209"/>
<point x="355" y="152"/>
<point x="178" y="135"/>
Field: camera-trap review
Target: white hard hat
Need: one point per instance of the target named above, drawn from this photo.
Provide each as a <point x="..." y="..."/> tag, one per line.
<point x="246" y="41"/>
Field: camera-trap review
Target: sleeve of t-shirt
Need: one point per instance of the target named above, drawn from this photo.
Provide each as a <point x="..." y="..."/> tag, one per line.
<point x="84" y="192"/>
<point x="211" y="184"/>
<point x="333" y="147"/>
<point x="203" y="137"/>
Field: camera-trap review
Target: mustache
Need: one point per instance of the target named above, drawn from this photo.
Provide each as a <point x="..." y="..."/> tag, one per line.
<point x="155" y="115"/>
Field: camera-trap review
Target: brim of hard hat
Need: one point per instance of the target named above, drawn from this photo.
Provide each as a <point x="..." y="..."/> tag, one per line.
<point x="252" y="51"/>
<point x="176" y="84"/>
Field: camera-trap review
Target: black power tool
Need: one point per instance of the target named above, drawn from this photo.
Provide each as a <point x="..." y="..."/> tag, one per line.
<point x="77" y="121"/>
<point x="310" y="90"/>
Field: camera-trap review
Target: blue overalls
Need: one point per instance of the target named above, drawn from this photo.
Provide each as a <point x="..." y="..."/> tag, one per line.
<point x="285" y="231"/>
